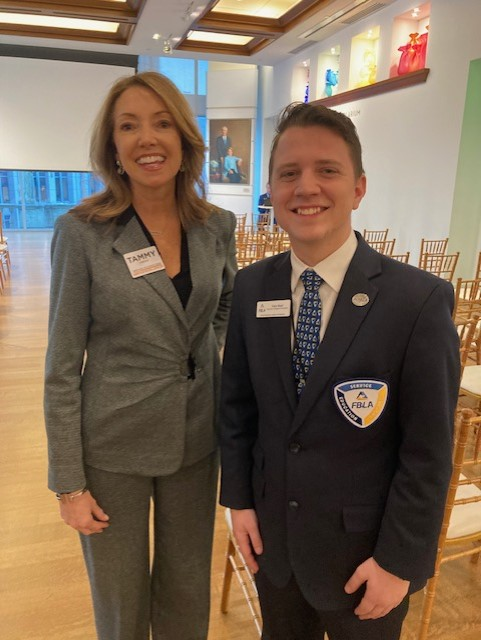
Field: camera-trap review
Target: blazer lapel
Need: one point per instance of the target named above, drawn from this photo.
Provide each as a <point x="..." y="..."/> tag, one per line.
<point x="132" y="238"/>
<point x="277" y="286"/>
<point x="345" y="321"/>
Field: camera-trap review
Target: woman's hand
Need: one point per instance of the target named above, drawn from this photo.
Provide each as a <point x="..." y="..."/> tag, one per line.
<point x="84" y="514"/>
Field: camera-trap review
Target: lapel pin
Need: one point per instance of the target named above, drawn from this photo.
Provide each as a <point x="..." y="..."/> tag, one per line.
<point x="360" y="299"/>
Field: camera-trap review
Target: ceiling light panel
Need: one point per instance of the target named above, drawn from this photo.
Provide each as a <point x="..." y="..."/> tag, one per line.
<point x="260" y="8"/>
<point x="58" y="23"/>
<point x="218" y="38"/>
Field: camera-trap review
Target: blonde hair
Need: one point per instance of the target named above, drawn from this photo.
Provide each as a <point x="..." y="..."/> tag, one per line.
<point x="117" y="195"/>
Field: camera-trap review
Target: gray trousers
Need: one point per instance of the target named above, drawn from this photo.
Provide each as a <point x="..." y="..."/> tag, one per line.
<point x="172" y="596"/>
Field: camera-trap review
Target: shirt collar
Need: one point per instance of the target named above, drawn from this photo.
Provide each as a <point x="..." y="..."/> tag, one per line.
<point x="332" y="269"/>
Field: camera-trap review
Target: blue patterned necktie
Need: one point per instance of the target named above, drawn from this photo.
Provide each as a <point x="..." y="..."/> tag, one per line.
<point x="307" y="331"/>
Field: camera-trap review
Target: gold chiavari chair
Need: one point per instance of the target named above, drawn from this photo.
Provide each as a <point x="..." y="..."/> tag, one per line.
<point x="478" y="267"/>
<point x="401" y="257"/>
<point x="241" y="221"/>
<point x="467" y="297"/>
<point x="5" y="264"/>
<point x="375" y="236"/>
<point x="432" y="246"/>
<point x="284" y="242"/>
<point x="263" y="220"/>
<point x="466" y="328"/>
<point x="442" y="265"/>
<point x="386" y="247"/>
<point x="271" y="239"/>
<point x="470" y="386"/>
<point x="250" y="249"/>
<point x="461" y="527"/>
<point x="467" y="303"/>
<point x="236" y="565"/>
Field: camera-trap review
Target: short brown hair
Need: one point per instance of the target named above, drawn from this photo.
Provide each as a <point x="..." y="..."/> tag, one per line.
<point x="300" y="114"/>
<point x="117" y="195"/>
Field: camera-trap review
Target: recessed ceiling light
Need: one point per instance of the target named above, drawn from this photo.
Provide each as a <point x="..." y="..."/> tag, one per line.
<point x="59" y="23"/>
<point x="157" y="36"/>
<point x="218" y="38"/>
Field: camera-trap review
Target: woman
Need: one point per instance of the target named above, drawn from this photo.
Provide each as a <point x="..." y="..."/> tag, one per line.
<point x="141" y="286"/>
<point x="232" y="165"/>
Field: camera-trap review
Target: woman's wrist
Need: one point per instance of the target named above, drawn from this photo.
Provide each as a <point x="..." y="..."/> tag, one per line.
<point x="68" y="497"/>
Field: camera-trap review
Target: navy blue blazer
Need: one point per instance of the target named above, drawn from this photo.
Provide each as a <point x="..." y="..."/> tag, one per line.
<point x="328" y="492"/>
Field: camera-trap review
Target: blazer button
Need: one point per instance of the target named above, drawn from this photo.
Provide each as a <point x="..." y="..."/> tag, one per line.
<point x="294" y="447"/>
<point x="293" y="505"/>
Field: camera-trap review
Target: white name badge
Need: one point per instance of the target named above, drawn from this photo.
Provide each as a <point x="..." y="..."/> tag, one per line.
<point x="144" y="261"/>
<point x="273" y="309"/>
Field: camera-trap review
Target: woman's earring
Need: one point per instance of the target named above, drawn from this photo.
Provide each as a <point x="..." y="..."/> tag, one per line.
<point x="182" y="166"/>
<point x="120" y="169"/>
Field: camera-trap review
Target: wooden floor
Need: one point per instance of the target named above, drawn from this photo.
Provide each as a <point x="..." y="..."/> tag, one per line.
<point x="43" y="587"/>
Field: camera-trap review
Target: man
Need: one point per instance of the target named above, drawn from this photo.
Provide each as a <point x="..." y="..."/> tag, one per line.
<point x="264" y="200"/>
<point x="222" y="144"/>
<point x="336" y="442"/>
<point x="264" y="206"/>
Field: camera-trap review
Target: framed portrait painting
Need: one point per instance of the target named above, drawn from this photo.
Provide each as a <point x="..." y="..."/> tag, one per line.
<point x="230" y="151"/>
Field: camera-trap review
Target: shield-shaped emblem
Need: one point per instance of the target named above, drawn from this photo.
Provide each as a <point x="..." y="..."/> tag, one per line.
<point x="361" y="401"/>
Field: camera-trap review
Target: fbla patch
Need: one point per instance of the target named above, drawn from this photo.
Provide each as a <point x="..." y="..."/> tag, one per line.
<point x="361" y="401"/>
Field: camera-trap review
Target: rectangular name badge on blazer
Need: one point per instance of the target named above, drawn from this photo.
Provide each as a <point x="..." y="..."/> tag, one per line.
<point x="273" y="309"/>
<point x="144" y="261"/>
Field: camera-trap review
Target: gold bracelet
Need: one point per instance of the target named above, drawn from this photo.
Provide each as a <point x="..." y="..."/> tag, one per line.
<point x="63" y="497"/>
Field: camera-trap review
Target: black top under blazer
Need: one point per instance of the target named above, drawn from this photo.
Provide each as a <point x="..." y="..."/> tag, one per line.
<point x="328" y="495"/>
<point x="118" y="390"/>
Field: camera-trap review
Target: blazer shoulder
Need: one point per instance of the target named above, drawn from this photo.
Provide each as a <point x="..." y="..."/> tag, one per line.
<point x="69" y="223"/>
<point x="222" y="223"/>
<point x="413" y="286"/>
<point x="413" y="276"/>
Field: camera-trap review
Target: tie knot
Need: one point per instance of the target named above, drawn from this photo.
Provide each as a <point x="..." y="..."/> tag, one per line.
<point x="311" y="280"/>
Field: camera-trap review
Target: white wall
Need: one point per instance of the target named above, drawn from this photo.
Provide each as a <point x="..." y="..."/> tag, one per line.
<point x="46" y="111"/>
<point x="411" y="136"/>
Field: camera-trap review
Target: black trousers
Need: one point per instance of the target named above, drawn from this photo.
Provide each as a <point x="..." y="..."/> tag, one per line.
<point x="287" y="615"/>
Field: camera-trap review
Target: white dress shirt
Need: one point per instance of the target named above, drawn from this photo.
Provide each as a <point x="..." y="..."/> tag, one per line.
<point x="332" y="271"/>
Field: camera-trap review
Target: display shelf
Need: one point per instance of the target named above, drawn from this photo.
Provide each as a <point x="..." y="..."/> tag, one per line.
<point x="376" y="89"/>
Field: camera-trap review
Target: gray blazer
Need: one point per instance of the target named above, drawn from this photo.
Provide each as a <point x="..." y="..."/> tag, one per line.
<point x="117" y="390"/>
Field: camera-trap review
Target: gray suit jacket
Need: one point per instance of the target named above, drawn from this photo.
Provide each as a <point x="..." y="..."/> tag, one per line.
<point x="117" y="392"/>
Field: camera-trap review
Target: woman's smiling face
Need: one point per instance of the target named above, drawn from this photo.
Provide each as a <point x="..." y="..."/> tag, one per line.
<point x="147" y="141"/>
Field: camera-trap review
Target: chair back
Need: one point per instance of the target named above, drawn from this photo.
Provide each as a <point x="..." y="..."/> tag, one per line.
<point x="375" y="236"/>
<point x="478" y="267"/>
<point x="467" y="298"/>
<point x="250" y="245"/>
<point x="401" y="257"/>
<point x="241" y="221"/>
<point x="263" y="220"/>
<point x="440" y="264"/>
<point x="432" y="246"/>
<point x="466" y="328"/>
<point x="386" y="247"/>
<point x="3" y="240"/>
